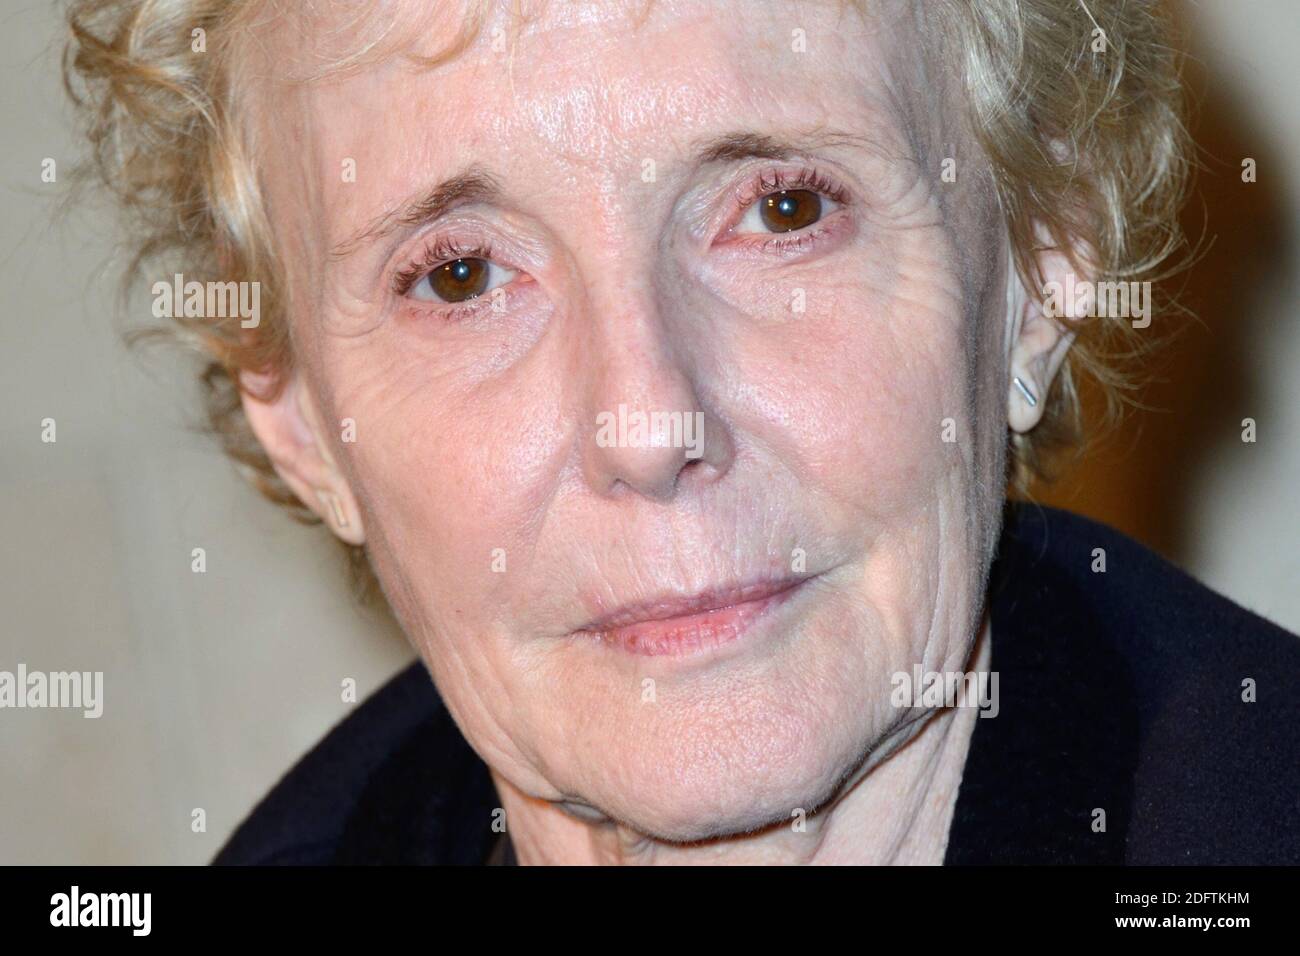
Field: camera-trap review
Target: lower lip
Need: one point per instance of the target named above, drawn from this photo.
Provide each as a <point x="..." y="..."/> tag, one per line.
<point x="693" y="633"/>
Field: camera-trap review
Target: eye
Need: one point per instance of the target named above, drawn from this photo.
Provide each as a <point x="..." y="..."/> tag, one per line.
<point x="460" y="280"/>
<point x="786" y="211"/>
<point x="788" y="202"/>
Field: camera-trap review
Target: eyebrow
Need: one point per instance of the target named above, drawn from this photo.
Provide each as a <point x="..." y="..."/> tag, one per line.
<point x="472" y="185"/>
<point x="477" y="184"/>
<point x="744" y="144"/>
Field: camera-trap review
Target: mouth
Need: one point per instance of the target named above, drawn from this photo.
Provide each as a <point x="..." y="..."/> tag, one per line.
<point x="679" y="626"/>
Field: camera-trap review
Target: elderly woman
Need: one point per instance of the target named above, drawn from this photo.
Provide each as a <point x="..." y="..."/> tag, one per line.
<point x="666" y="367"/>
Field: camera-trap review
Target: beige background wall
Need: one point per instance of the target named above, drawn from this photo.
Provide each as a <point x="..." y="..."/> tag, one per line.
<point x="215" y="682"/>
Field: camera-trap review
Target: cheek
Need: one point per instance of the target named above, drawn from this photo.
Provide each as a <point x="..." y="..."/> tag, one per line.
<point x="449" y="475"/>
<point x="866" y="394"/>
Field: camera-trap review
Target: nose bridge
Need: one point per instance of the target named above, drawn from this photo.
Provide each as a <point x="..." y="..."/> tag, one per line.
<point x="638" y="358"/>
<point x="622" y="317"/>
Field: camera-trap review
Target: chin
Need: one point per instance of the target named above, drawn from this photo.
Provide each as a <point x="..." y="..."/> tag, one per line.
<point x="701" y="775"/>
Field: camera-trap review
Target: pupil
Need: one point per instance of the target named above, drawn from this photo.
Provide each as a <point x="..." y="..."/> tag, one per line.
<point x="460" y="279"/>
<point x="791" y="209"/>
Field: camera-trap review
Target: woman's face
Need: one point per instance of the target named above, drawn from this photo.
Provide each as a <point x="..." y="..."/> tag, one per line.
<point x="846" y="349"/>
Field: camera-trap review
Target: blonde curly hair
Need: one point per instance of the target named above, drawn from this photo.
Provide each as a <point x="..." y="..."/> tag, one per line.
<point x="1085" y="149"/>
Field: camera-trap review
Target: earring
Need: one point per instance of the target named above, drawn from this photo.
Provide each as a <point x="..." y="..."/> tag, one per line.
<point x="1024" y="390"/>
<point x="336" y="508"/>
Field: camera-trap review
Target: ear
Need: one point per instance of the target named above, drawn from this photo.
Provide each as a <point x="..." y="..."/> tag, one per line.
<point x="289" y="428"/>
<point x="1040" y="336"/>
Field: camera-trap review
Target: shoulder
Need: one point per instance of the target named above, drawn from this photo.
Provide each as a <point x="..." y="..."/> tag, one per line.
<point x="391" y="783"/>
<point x="1158" y="615"/>
<point x="1213" y="689"/>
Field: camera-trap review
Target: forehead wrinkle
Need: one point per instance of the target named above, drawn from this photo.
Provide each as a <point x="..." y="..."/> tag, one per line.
<point x="577" y="108"/>
<point x="606" y="129"/>
<point x="585" y="123"/>
<point x="551" y="22"/>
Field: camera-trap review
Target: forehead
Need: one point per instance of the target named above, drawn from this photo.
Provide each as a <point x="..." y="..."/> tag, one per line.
<point x="573" y="90"/>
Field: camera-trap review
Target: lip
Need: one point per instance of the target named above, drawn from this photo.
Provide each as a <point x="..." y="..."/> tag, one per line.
<point x="677" y="626"/>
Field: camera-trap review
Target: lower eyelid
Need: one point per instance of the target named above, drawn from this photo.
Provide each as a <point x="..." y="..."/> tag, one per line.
<point x="829" y="229"/>
<point x="455" y="311"/>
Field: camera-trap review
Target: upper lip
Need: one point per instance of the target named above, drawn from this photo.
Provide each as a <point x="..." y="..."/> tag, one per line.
<point x="668" y="606"/>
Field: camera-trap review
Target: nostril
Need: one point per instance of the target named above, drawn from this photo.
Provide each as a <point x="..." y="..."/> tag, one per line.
<point x="694" y="470"/>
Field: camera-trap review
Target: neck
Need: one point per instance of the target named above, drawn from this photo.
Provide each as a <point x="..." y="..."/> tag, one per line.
<point x="896" y="809"/>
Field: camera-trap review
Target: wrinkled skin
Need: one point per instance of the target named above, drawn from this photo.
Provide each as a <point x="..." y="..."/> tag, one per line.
<point x="864" y="432"/>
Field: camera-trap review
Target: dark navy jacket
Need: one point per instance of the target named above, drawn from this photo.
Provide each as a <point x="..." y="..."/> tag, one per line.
<point x="1120" y="690"/>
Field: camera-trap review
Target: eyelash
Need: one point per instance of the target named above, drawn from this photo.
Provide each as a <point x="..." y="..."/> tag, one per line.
<point x="779" y="180"/>
<point x="441" y="251"/>
<point x="446" y="250"/>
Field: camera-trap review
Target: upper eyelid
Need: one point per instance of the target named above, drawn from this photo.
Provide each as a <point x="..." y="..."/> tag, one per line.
<point x="809" y="177"/>
<point x="742" y="195"/>
<point x="468" y="232"/>
<point x="423" y="259"/>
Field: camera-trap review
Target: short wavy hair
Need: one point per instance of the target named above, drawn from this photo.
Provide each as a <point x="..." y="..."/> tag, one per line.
<point x="1077" y="106"/>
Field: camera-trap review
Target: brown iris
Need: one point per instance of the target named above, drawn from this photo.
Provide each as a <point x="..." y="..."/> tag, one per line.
<point x="459" y="279"/>
<point x="790" y="209"/>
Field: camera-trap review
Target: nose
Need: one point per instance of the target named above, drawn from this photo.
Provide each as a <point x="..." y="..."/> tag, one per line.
<point x="647" y="430"/>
